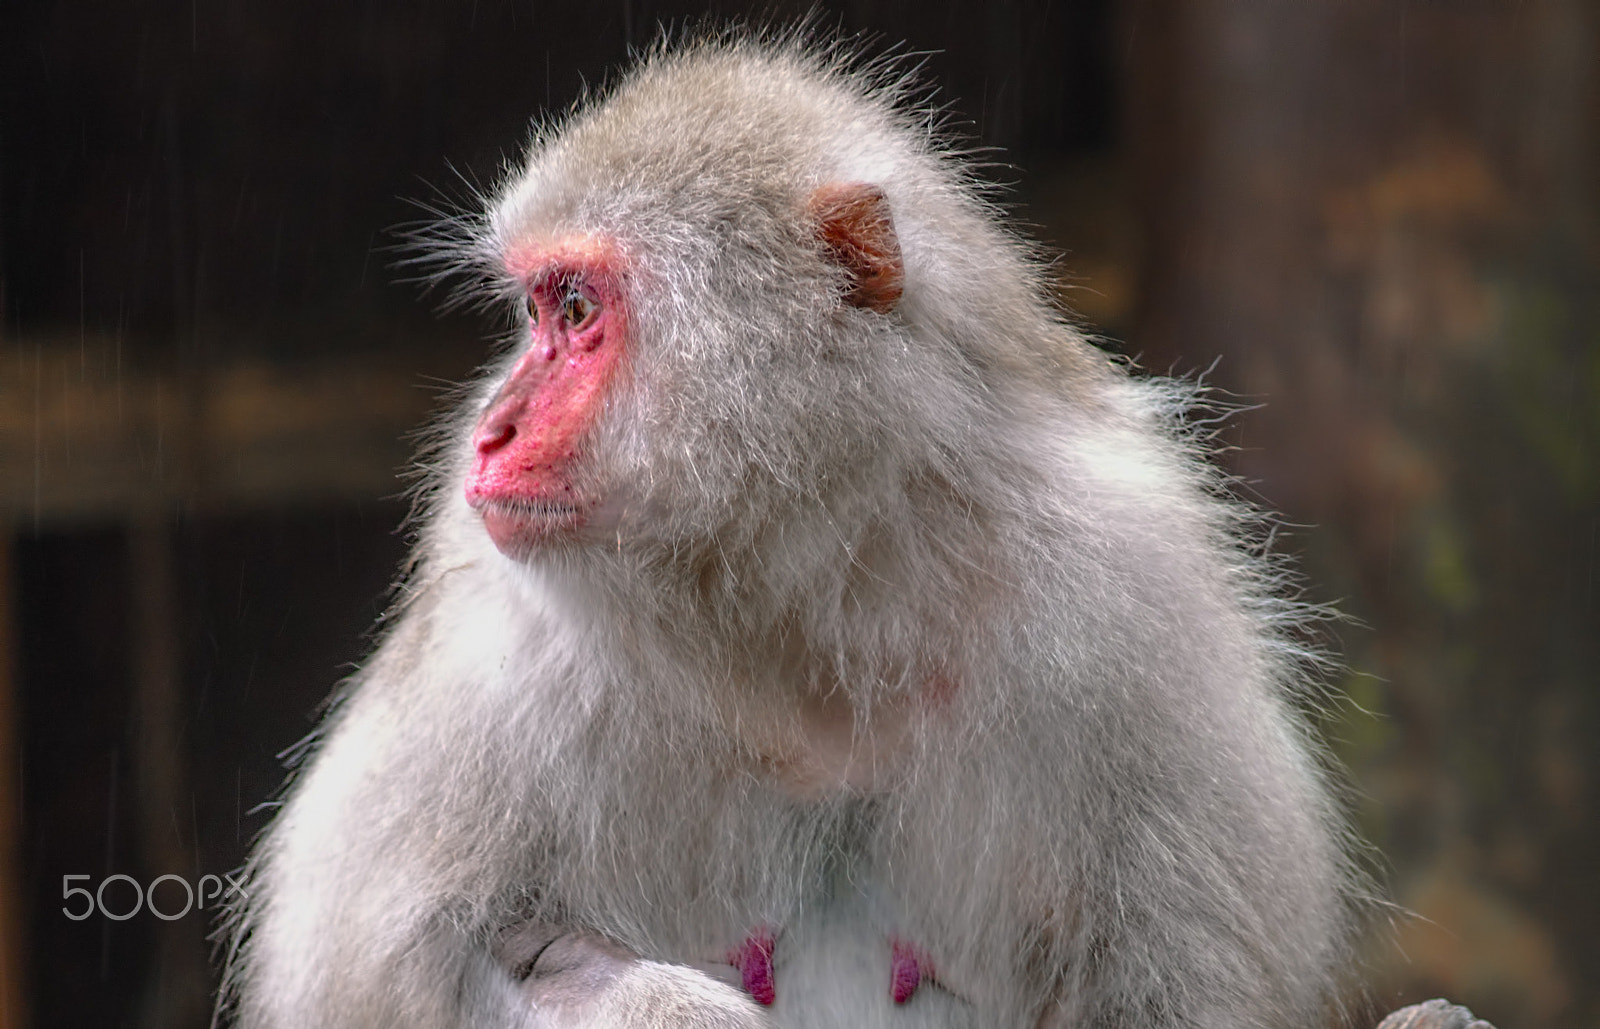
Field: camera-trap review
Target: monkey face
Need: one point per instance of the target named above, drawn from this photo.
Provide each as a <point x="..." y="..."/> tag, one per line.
<point x="530" y="435"/>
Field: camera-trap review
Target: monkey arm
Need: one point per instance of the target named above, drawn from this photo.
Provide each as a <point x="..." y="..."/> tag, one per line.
<point x="572" y="978"/>
<point x="405" y="928"/>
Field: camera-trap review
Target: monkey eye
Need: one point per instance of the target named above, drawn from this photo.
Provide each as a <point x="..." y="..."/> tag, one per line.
<point x="533" y="310"/>
<point x="578" y="309"/>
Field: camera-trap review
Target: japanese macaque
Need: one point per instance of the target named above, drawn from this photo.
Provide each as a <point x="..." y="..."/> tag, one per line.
<point x="807" y="628"/>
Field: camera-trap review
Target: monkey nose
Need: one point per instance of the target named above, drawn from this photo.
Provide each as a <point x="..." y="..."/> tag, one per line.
<point x="493" y="434"/>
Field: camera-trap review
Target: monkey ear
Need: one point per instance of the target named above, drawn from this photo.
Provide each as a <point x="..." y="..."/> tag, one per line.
<point x="853" y="223"/>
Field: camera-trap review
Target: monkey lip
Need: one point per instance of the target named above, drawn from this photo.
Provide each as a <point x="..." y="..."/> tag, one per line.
<point x="519" y="526"/>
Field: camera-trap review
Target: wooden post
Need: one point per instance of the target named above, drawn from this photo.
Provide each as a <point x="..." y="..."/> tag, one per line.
<point x="13" y="970"/>
<point x="181" y="981"/>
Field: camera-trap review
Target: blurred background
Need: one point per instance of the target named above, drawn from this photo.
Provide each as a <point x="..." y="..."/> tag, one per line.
<point x="1375" y="221"/>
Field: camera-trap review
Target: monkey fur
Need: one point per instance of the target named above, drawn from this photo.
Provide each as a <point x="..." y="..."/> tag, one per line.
<point x="902" y="661"/>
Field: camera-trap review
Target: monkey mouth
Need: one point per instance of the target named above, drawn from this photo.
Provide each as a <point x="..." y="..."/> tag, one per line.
<point x="521" y="525"/>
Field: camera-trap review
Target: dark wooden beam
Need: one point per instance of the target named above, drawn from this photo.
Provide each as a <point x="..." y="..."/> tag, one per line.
<point x="82" y="436"/>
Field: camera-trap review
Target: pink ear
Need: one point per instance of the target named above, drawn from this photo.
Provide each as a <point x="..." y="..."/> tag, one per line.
<point x="853" y="222"/>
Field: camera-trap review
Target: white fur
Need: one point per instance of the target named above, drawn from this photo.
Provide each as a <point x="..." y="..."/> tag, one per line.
<point x="1111" y="818"/>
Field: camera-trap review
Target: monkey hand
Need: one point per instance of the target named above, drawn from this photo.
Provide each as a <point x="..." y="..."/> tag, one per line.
<point x="573" y="979"/>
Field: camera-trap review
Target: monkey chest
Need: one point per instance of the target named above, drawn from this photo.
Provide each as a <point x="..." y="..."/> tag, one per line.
<point x="791" y="903"/>
<point x="841" y="959"/>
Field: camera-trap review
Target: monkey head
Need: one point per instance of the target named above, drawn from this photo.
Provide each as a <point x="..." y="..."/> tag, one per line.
<point x="697" y="350"/>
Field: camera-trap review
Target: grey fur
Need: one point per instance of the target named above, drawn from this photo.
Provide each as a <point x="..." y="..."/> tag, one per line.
<point x="1110" y="818"/>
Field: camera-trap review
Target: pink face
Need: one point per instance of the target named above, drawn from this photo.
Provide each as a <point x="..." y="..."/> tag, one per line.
<point x="530" y="436"/>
